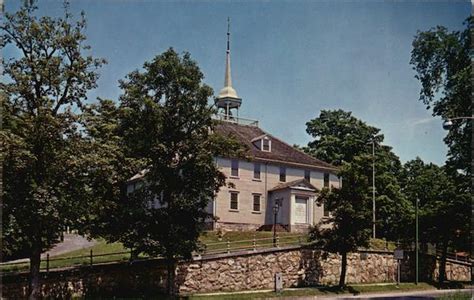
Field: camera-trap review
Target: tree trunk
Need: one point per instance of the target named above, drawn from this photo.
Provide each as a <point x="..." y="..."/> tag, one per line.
<point x="442" y="263"/>
<point x="35" y="261"/>
<point x="342" y="279"/>
<point x="170" y="282"/>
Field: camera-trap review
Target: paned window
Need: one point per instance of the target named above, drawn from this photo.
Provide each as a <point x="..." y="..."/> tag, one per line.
<point x="282" y="174"/>
<point x="326" y="180"/>
<point x="234" y="200"/>
<point x="307" y="175"/>
<point x="256" y="202"/>
<point x="234" y="168"/>
<point x="256" y="171"/>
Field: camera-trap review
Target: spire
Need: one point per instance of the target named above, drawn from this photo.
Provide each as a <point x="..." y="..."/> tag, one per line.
<point x="228" y="77"/>
<point x="228" y="91"/>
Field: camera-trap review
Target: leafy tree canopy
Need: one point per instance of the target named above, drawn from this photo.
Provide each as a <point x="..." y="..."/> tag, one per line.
<point x="45" y="163"/>
<point x="442" y="64"/>
<point x="342" y="139"/>
<point x="165" y="121"/>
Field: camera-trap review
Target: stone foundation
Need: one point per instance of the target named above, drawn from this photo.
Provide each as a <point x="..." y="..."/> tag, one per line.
<point x="301" y="228"/>
<point x="226" y="226"/>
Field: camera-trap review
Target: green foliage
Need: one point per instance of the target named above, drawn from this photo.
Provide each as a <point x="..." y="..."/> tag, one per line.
<point x="344" y="140"/>
<point x="443" y="66"/>
<point x="441" y="61"/>
<point x="442" y="212"/>
<point x="44" y="160"/>
<point x="165" y="122"/>
<point x="339" y="137"/>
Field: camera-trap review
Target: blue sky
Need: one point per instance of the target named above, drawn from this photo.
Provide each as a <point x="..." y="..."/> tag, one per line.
<point x="289" y="59"/>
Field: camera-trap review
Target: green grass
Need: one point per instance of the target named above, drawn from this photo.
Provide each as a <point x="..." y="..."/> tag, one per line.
<point x="319" y="291"/>
<point x="457" y="296"/>
<point x="216" y="241"/>
<point x="379" y="244"/>
<point x="78" y="257"/>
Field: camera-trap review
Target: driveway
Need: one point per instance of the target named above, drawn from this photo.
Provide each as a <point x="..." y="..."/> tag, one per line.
<point x="70" y="243"/>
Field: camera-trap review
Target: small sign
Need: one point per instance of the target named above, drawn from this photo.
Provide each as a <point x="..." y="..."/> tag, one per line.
<point x="398" y="254"/>
<point x="278" y="282"/>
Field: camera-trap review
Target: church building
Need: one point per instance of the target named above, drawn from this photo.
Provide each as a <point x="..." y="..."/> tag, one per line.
<point x="275" y="179"/>
<point x="275" y="184"/>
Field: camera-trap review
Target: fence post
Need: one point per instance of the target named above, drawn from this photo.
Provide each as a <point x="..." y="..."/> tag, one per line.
<point x="91" y="258"/>
<point x="254" y="243"/>
<point x="228" y="246"/>
<point x="47" y="262"/>
<point x="278" y="241"/>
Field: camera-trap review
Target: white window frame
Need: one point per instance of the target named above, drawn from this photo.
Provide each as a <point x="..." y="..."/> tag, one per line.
<point x="269" y="144"/>
<point x="259" y="202"/>
<point x="259" y="171"/>
<point x="230" y="200"/>
<point x="232" y="169"/>
<point x="284" y="173"/>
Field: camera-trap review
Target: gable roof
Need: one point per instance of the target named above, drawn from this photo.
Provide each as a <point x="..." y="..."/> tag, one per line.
<point x="299" y="183"/>
<point x="281" y="152"/>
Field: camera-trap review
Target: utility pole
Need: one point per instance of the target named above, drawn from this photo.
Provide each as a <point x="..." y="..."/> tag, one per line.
<point x="373" y="189"/>
<point x="416" y="242"/>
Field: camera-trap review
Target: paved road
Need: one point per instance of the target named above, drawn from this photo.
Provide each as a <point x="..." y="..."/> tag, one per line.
<point x="71" y="242"/>
<point x="417" y="295"/>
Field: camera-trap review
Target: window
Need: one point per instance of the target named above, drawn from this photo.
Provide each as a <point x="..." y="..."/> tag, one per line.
<point x="325" y="210"/>
<point x="266" y="144"/>
<point x="234" y="200"/>
<point x="256" y="202"/>
<point x="326" y="180"/>
<point x="234" y="168"/>
<point x="256" y="171"/>
<point x="307" y="175"/>
<point x="282" y="174"/>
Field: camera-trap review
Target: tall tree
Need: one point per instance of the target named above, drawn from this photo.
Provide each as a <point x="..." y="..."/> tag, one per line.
<point x="442" y="63"/>
<point x="348" y="226"/>
<point x="167" y="122"/>
<point x="45" y="87"/>
<point x="341" y="138"/>
<point x="442" y="212"/>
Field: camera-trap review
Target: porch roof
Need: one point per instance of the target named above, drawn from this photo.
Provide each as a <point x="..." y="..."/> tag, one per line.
<point x="301" y="184"/>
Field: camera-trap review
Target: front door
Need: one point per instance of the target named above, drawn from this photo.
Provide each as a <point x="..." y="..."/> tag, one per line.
<point x="301" y="210"/>
<point x="279" y="203"/>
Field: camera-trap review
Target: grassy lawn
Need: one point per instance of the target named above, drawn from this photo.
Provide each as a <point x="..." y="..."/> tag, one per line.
<point x="457" y="296"/>
<point x="78" y="257"/>
<point x="101" y="251"/>
<point x="243" y="240"/>
<point x="319" y="291"/>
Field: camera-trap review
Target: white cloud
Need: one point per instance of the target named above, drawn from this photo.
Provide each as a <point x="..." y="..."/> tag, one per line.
<point x="423" y="121"/>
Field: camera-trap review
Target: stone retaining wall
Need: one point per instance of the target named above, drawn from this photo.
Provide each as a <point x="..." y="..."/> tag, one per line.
<point x="249" y="270"/>
<point x="299" y="267"/>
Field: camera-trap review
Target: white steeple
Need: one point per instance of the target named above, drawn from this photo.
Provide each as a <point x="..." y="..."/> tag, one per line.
<point x="227" y="98"/>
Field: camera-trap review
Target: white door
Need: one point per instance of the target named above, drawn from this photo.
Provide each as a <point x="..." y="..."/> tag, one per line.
<point x="301" y="210"/>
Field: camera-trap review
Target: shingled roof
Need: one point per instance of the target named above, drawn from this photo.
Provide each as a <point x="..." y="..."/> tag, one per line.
<point x="280" y="153"/>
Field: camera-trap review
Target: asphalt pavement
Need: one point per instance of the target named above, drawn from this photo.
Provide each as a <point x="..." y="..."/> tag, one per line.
<point x="415" y="295"/>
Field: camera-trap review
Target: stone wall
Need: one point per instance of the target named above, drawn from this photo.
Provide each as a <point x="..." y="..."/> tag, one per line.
<point x="429" y="268"/>
<point x="250" y="270"/>
<point x="299" y="267"/>
<point x="105" y="280"/>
